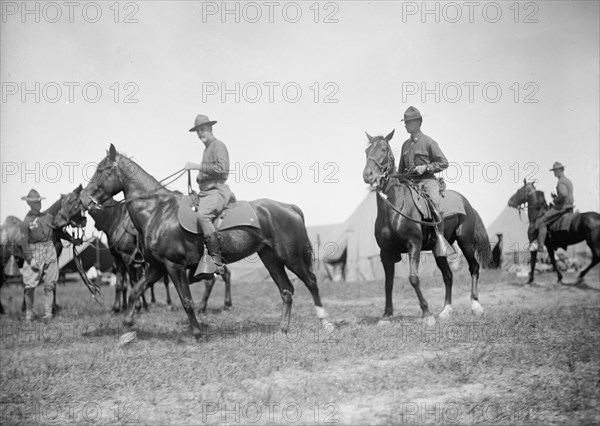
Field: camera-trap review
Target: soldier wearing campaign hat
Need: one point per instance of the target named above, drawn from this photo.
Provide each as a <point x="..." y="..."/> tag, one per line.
<point x="563" y="202"/>
<point x="40" y="255"/>
<point x="422" y="157"/>
<point x="214" y="193"/>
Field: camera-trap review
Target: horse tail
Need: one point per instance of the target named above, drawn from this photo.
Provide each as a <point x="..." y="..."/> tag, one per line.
<point x="481" y="242"/>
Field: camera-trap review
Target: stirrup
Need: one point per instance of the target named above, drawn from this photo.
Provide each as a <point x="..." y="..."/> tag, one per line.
<point x="208" y="268"/>
<point x="442" y="247"/>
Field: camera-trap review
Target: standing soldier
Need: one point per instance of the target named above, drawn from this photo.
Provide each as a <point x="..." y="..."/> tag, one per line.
<point x="40" y="255"/>
<point x="214" y="192"/>
<point x="563" y="202"/>
<point x="422" y="156"/>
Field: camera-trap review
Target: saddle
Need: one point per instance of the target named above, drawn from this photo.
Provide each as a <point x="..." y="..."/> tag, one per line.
<point x="236" y="213"/>
<point x="562" y="222"/>
<point x="451" y="203"/>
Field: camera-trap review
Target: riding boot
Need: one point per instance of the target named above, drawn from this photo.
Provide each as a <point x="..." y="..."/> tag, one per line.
<point x="213" y="245"/>
<point x="442" y="248"/>
<point x="542" y="232"/>
<point x="29" y="292"/>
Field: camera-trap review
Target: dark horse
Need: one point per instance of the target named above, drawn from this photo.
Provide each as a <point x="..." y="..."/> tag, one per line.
<point x="280" y="242"/>
<point x="11" y="240"/>
<point x="113" y="219"/>
<point x="399" y="229"/>
<point x="584" y="226"/>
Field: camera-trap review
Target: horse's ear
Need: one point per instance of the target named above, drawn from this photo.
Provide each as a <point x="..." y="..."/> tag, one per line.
<point x="371" y="138"/>
<point x="524" y="181"/>
<point x="390" y="136"/>
<point x="112" y="153"/>
<point x="78" y="190"/>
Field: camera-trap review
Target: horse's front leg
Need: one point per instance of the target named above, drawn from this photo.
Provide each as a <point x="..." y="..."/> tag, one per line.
<point x="178" y="276"/>
<point x="533" y="255"/>
<point x="414" y="257"/>
<point x="152" y="275"/>
<point x="554" y="265"/>
<point x="227" y="278"/>
<point x="389" y="265"/>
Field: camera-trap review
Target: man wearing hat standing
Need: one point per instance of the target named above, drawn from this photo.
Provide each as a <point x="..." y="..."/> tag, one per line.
<point x="215" y="194"/>
<point x="40" y="255"/>
<point x="563" y="202"/>
<point x="422" y="157"/>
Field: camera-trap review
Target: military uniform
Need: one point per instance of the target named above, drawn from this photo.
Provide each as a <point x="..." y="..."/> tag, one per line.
<point x="563" y="202"/>
<point x="37" y="245"/>
<point x="421" y="150"/>
<point x="214" y="192"/>
<point x="422" y="157"/>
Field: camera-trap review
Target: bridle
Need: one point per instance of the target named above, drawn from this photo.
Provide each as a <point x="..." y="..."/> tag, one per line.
<point x="151" y="194"/>
<point x="382" y="184"/>
<point x="385" y="170"/>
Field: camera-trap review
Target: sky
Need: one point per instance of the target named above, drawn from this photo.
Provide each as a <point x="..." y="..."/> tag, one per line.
<point x="506" y="90"/>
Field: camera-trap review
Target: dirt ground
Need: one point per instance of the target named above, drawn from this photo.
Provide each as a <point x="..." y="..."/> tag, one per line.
<point x="532" y="358"/>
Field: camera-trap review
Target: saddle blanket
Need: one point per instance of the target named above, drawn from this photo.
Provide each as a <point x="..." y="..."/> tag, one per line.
<point x="238" y="213"/>
<point x="450" y="204"/>
<point x="563" y="223"/>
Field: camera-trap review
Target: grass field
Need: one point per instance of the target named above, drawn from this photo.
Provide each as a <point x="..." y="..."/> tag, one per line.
<point x="533" y="358"/>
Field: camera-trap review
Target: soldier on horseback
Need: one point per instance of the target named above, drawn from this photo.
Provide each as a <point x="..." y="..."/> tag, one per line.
<point x="214" y="194"/>
<point x="562" y="200"/>
<point x="422" y="157"/>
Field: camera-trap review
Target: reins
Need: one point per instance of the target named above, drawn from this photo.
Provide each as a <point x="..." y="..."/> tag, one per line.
<point x="152" y="193"/>
<point x="384" y="196"/>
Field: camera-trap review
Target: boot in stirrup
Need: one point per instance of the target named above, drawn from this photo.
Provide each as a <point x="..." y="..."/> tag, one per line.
<point x="442" y="248"/>
<point x="211" y="262"/>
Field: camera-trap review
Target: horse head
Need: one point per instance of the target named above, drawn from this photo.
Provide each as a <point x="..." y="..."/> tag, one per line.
<point x="71" y="211"/>
<point x="380" y="160"/>
<point x="106" y="181"/>
<point x="522" y="195"/>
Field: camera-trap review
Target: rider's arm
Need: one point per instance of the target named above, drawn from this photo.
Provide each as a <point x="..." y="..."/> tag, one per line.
<point x="437" y="158"/>
<point x="561" y="193"/>
<point x="216" y="167"/>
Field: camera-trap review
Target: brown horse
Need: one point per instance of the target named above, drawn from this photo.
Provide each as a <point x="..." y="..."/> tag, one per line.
<point x="281" y="241"/>
<point x="399" y="229"/>
<point x="584" y="226"/>
<point x="113" y="219"/>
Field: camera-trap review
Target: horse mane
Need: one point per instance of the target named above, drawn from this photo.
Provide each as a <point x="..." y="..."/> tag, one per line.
<point x="539" y="195"/>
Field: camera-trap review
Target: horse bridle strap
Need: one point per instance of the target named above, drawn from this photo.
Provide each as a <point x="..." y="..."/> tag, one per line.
<point x="384" y="197"/>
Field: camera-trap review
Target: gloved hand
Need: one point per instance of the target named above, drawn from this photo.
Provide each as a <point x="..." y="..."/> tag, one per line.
<point x="190" y="166"/>
<point x="421" y="169"/>
<point x="77" y="241"/>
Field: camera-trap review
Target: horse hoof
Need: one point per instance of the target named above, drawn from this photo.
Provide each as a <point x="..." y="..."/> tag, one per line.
<point x="476" y="308"/>
<point x="429" y="321"/>
<point x="384" y="323"/>
<point x="197" y="333"/>
<point x="128" y="322"/>
<point x="285" y="329"/>
<point x="446" y="312"/>
<point x="328" y="326"/>
<point x="227" y="307"/>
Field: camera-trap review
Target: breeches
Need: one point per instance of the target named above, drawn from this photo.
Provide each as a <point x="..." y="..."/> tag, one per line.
<point x="432" y="188"/>
<point x="212" y="203"/>
<point x="45" y="256"/>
